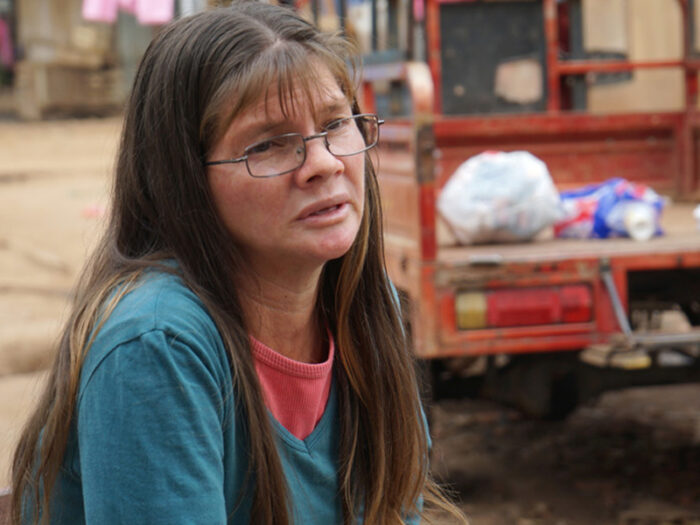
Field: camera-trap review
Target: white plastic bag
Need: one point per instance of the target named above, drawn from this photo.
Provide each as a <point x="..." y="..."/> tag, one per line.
<point x="499" y="197"/>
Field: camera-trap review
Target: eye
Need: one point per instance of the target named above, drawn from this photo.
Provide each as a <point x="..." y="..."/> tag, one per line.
<point x="260" y="147"/>
<point x="265" y="146"/>
<point x="338" y="124"/>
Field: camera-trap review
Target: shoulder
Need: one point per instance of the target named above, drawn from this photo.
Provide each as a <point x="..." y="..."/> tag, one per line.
<point x="155" y="411"/>
<point x="158" y="301"/>
<point x="160" y="314"/>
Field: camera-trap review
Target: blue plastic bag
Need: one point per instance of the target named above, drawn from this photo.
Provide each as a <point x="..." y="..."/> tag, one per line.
<point x="614" y="208"/>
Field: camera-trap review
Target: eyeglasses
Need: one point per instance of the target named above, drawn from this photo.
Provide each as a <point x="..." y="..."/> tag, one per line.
<point x="286" y="153"/>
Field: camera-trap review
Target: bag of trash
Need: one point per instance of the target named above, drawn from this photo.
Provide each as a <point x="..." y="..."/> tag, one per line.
<point x="499" y="197"/>
<point x="614" y="208"/>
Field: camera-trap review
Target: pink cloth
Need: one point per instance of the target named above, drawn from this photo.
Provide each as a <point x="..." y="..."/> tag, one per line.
<point x="100" y="10"/>
<point x="295" y="393"/>
<point x="7" y="55"/>
<point x="147" y="12"/>
<point x="154" y="12"/>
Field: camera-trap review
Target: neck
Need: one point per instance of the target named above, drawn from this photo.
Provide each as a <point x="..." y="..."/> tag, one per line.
<point x="281" y="313"/>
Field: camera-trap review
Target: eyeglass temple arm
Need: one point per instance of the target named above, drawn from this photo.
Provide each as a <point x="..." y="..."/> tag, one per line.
<point x="228" y="161"/>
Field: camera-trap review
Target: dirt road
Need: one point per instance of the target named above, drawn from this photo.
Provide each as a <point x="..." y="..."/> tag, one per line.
<point x="631" y="458"/>
<point x="54" y="180"/>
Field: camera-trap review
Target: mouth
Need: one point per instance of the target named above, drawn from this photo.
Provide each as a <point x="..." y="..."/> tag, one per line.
<point x="324" y="208"/>
<point x="324" y="211"/>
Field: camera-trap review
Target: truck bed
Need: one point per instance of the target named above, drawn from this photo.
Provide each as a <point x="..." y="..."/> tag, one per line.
<point x="681" y="235"/>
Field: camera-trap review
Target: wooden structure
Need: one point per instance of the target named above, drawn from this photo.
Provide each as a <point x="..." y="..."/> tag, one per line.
<point x="68" y="65"/>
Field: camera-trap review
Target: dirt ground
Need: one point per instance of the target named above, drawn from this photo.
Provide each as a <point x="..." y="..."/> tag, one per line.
<point x="630" y="458"/>
<point x="54" y="179"/>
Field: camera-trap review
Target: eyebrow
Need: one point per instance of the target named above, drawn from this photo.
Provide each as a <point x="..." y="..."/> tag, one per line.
<point x="332" y="106"/>
<point x="335" y="106"/>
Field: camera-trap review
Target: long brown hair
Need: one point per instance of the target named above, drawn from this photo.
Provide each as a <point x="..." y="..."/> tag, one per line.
<point x="194" y="78"/>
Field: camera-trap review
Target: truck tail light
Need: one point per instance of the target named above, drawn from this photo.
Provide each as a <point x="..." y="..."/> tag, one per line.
<point x="576" y="304"/>
<point x="471" y="310"/>
<point x="524" y="307"/>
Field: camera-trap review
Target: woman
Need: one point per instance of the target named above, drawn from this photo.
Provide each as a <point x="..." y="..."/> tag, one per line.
<point x="235" y="353"/>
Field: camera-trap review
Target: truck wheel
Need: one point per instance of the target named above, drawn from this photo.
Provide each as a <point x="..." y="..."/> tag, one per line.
<point x="544" y="387"/>
<point x="563" y="398"/>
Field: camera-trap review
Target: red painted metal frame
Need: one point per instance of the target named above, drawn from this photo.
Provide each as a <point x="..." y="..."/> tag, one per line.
<point x="556" y="68"/>
<point x="432" y="22"/>
<point x="547" y="124"/>
<point x="551" y="32"/>
<point x="686" y="123"/>
<point x="581" y="67"/>
<point x="548" y="338"/>
<point x="666" y="140"/>
<point x="578" y="148"/>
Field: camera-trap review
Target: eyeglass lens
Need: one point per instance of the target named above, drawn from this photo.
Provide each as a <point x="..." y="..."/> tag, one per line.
<point x="286" y="153"/>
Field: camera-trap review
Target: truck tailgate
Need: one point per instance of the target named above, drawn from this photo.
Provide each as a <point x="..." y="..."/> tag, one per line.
<point x="681" y="235"/>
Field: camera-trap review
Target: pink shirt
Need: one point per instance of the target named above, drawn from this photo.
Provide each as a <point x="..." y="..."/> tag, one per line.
<point x="295" y="393"/>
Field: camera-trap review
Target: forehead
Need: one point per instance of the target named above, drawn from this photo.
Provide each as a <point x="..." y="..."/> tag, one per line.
<point x="315" y="94"/>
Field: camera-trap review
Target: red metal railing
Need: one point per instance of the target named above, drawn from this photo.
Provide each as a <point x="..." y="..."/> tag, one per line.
<point x="683" y="125"/>
<point x="556" y="68"/>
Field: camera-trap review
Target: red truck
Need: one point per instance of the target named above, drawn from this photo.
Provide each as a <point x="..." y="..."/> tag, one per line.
<point x="548" y="324"/>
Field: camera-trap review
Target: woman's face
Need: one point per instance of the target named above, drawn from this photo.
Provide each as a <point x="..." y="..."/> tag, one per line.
<point x="299" y="219"/>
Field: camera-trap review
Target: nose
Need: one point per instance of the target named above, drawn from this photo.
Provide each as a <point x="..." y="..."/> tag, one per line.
<point x="319" y="164"/>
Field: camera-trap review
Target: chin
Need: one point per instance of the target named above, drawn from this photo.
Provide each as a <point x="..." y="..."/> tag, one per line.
<point x="329" y="249"/>
<point x="333" y="253"/>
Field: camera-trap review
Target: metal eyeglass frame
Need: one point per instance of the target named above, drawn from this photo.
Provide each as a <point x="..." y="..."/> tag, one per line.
<point x="322" y="134"/>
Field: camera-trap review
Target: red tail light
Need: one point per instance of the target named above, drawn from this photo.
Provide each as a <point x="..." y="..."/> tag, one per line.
<point x="523" y="307"/>
<point x="527" y="306"/>
<point x="576" y="304"/>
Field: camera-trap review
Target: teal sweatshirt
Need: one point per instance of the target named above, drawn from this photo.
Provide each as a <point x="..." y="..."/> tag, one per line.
<point x="156" y="435"/>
